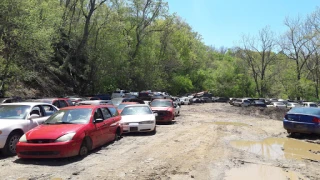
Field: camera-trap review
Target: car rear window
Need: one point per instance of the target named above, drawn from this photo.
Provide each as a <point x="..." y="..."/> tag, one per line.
<point x="311" y="111"/>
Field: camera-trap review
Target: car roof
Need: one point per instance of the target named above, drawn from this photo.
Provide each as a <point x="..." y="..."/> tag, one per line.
<point x="27" y="103"/>
<point x="87" y="106"/>
<point x="129" y="103"/>
<point x="138" y="105"/>
<point x="162" y="100"/>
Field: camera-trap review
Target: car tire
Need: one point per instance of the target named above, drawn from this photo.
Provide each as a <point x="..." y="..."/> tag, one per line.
<point x="9" y="148"/>
<point x="117" y="136"/>
<point x="84" y="149"/>
<point x="154" y="131"/>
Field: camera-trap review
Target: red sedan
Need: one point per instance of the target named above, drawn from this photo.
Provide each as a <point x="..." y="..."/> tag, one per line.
<point x="71" y="131"/>
<point x="165" y="110"/>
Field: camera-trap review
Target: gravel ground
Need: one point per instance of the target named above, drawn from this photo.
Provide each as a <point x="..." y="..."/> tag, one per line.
<point x="207" y="141"/>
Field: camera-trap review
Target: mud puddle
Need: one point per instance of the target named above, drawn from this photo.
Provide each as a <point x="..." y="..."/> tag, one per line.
<point x="225" y="123"/>
<point x="255" y="172"/>
<point x="280" y="148"/>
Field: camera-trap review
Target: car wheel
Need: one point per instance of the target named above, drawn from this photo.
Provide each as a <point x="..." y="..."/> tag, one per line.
<point x="11" y="144"/>
<point x="84" y="149"/>
<point x="117" y="136"/>
<point x="154" y="131"/>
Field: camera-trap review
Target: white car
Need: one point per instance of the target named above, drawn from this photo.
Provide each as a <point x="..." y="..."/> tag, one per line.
<point x="292" y="105"/>
<point x="138" y="118"/>
<point x="18" y="118"/>
<point x="185" y="100"/>
<point x="176" y="108"/>
<point x="277" y="105"/>
<point x="309" y="104"/>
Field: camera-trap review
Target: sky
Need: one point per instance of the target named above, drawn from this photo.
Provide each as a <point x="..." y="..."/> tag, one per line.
<point x="223" y="22"/>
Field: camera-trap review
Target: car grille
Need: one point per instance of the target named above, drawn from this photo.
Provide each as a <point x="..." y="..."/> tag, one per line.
<point x="161" y="113"/>
<point x="40" y="153"/>
<point x="41" y="141"/>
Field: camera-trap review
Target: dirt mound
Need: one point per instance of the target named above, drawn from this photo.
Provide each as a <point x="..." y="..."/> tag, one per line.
<point x="272" y="113"/>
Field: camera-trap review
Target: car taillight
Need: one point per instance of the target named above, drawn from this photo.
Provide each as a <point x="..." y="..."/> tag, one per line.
<point x="286" y="116"/>
<point x="316" y="120"/>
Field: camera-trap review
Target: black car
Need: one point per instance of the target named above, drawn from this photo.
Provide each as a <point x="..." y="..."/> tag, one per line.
<point x="221" y="99"/>
<point x="258" y="103"/>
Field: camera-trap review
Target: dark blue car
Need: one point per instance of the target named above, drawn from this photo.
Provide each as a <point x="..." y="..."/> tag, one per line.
<point x="302" y="120"/>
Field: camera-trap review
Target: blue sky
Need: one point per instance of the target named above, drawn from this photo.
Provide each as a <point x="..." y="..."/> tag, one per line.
<point x="223" y="22"/>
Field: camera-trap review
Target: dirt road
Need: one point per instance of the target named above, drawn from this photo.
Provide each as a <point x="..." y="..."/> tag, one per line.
<point x="208" y="141"/>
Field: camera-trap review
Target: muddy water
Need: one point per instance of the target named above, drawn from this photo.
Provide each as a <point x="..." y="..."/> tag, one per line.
<point x="255" y="172"/>
<point x="281" y="148"/>
<point x="230" y="123"/>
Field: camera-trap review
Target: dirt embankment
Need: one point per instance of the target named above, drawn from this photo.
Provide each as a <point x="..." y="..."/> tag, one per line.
<point x="208" y="141"/>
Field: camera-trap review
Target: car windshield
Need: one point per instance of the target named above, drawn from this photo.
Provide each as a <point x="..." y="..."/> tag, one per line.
<point x="310" y="111"/>
<point x="121" y="106"/>
<point x="313" y="105"/>
<point x="13" y="111"/>
<point x="136" y="110"/>
<point x="161" y="104"/>
<point x="116" y="101"/>
<point x="70" y="116"/>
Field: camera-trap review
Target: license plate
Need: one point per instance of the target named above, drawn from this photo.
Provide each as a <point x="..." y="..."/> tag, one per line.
<point x="132" y="129"/>
<point x="300" y="126"/>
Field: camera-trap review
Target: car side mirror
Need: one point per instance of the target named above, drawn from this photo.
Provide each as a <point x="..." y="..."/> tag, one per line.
<point x="33" y="116"/>
<point x="99" y="120"/>
<point x="155" y="114"/>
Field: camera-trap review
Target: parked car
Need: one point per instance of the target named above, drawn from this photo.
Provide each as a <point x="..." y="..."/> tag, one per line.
<point x="71" y="131"/>
<point x="258" y="103"/>
<point x="206" y="99"/>
<point x="242" y="102"/>
<point x="94" y="102"/>
<point x="100" y="97"/>
<point x="122" y="105"/>
<point x="138" y="118"/>
<point x="58" y="102"/>
<point x="302" y="120"/>
<point x="197" y="100"/>
<point x="18" y="118"/>
<point x="291" y="105"/>
<point x="145" y="95"/>
<point x="119" y="93"/>
<point x="220" y="99"/>
<point x="309" y="104"/>
<point x="177" y="108"/>
<point x="164" y="108"/>
<point x="184" y="101"/>
<point x="277" y="105"/>
<point x="10" y="99"/>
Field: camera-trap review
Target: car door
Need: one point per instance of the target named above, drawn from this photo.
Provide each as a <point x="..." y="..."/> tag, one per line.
<point x="109" y="122"/>
<point x="101" y="127"/>
<point x="34" y="122"/>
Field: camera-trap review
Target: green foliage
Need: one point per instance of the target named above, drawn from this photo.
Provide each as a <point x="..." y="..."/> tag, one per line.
<point x="55" y="48"/>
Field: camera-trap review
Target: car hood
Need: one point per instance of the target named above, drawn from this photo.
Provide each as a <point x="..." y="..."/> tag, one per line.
<point x="11" y="122"/>
<point x="52" y="131"/>
<point x="161" y="108"/>
<point x="137" y="118"/>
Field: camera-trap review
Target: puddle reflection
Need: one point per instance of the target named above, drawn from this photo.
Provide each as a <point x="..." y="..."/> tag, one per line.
<point x="281" y="148"/>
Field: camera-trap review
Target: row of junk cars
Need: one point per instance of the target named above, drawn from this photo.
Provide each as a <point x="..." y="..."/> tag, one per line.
<point x="72" y="126"/>
<point x="301" y="117"/>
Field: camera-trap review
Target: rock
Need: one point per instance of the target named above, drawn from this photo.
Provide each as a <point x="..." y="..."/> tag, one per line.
<point x="192" y="176"/>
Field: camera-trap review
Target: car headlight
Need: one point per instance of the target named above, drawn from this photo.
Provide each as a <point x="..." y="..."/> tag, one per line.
<point x="23" y="138"/>
<point x="66" y="137"/>
<point x="146" y="122"/>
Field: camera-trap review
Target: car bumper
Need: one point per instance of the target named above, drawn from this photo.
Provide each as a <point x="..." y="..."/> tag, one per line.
<point x="3" y="139"/>
<point x="293" y="126"/>
<point x="136" y="127"/>
<point x="48" y="150"/>
<point x="164" y="119"/>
